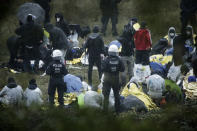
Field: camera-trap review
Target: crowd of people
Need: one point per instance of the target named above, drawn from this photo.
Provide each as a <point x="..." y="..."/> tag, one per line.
<point x="36" y="48"/>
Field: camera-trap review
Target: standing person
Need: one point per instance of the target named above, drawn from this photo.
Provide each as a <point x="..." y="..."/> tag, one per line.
<point x="32" y="94"/>
<point x="57" y="71"/>
<point x="31" y="37"/>
<point x="109" y="9"/>
<point x="127" y="52"/>
<point x="143" y="45"/>
<point x="12" y="93"/>
<point x="111" y="67"/>
<point x="188" y="14"/>
<point x="95" y="46"/>
<point x="62" y="24"/>
<point x="45" y="4"/>
<point x="58" y="39"/>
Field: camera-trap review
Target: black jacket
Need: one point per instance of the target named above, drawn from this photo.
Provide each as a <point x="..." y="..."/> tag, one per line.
<point x="112" y="65"/>
<point x="127" y="41"/>
<point x="56" y="69"/>
<point x="44" y="4"/>
<point x="95" y="45"/>
<point x="62" y="24"/>
<point x="30" y="33"/>
<point x="57" y="37"/>
<point x="189" y="6"/>
<point x="109" y="7"/>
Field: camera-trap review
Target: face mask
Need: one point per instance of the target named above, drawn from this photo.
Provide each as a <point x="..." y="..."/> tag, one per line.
<point x="188" y="33"/>
<point x="172" y="35"/>
<point x="58" y="19"/>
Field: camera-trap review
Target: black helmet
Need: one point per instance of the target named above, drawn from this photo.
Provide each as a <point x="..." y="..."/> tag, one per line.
<point x="11" y="80"/>
<point x="143" y="25"/>
<point x="95" y="29"/>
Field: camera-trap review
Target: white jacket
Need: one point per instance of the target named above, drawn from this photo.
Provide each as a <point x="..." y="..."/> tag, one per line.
<point x="33" y="96"/>
<point x="156" y="86"/>
<point x="12" y="95"/>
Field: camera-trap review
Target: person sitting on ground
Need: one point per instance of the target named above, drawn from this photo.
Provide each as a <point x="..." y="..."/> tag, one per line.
<point x="143" y="45"/>
<point x="156" y="87"/>
<point x="32" y="94"/>
<point x="171" y="35"/>
<point x="12" y="93"/>
<point x="62" y="24"/>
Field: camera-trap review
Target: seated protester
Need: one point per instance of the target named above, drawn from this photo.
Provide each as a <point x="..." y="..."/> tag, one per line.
<point x="12" y="93"/>
<point x="58" y="39"/>
<point x="62" y="24"/>
<point x="111" y="67"/>
<point x="31" y="37"/>
<point x="143" y="45"/>
<point x="171" y="35"/>
<point x="156" y="87"/>
<point x="33" y="94"/>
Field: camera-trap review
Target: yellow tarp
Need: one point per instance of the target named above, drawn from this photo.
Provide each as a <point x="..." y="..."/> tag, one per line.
<point x="133" y="90"/>
<point x="74" y="61"/>
<point x="161" y="59"/>
<point x="68" y="98"/>
<point x="191" y="88"/>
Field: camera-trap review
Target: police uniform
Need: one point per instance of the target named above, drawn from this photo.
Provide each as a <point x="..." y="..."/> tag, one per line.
<point x="111" y="67"/>
<point x="57" y="71"/>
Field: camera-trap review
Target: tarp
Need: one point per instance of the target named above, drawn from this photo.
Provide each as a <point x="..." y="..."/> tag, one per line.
<point x="31" y="8"/>
<point x="158" y="69"/>
<point x="131" y="89"/>
<point x="73" y="83"/>
<point x="132" y="102"/>
<point x="190" y="88"/>
<point x="161" y="59"/>
<point x="141" y="72"/>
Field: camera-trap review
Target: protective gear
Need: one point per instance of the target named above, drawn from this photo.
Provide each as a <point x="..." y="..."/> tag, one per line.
<point x="57" y="53"/>
<point x="111" y="67"/>
<point x="57" y="71"/>
<point x="113" y="50"/>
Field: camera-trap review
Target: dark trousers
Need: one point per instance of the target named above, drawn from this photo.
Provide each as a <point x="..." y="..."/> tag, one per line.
<point x="105" y="19"/>
<point x="61" y="88"/>
<point x="92" y="61"/>
<point x="142" y="57"/>
<point x="111" y="82"/>
<point x="187" y="18"/>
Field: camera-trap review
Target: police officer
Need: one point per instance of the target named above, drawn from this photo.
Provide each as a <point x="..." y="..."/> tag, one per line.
<point x="95" y="46"/>
<point x="111" y="67"/>
<point x="57" y="71"/>
<point x="109" y="9"/>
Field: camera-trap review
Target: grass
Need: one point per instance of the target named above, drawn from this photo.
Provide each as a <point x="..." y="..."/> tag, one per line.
<point x="159" y="15"/>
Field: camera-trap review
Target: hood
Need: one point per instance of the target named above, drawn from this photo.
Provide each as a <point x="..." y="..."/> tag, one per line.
<point x="12" y="85"/>
<point x="32" y="86"/>
<point x="59" y="15"/>
<point x="171" y="30"/>
<point x="94" y="35"/>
